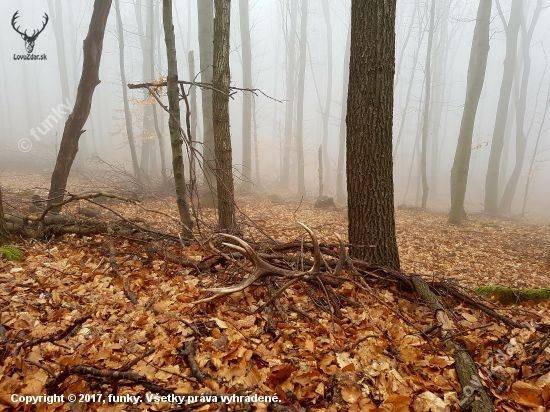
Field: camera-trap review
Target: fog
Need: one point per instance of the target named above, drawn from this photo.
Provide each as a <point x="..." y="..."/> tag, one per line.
<point x="32" y="112"/>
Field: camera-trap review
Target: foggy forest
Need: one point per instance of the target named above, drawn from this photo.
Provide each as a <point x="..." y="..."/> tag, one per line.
<point x="275" y="205"/>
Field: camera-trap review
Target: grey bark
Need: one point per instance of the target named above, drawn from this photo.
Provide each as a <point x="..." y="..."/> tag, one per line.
<point x="193" y="137"/>
<point x="492" y="177"/>
<point x="340" y="189"/>
<point x="57" y="21"/>
<point x="4" y="235"/>
<point x="206" y="45"/>
<point x="247" y="96"/>
<point x="174" y="120"/>
<point x="328" y="98"/>
<point x="300" y="102"/>
<point x="476" y="78"/>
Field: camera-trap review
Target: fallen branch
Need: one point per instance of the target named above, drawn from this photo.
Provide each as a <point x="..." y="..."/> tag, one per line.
<point x="188" y="353"/>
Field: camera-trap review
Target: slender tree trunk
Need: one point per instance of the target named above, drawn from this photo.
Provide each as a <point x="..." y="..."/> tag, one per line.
<point x="57" y="19"/>
<point x="369" y="132"/>
<point x="247" y="96"/>
<point x="320" y="158"/>
<point x="256" y="155"/>
<point x="328" y="99"/>
<point x="476" y="78"/>
<point x="8" y="109"/>
<point x="4" y="235"/>
<point x="404" y="47"/>
<point x="206" y="42"/>
<point x="492" y="178"/>
<point x="93" y="46"/>
<point x="193" y="137"/>
<point x="426" y="119"/>
<point x="220" y="108"/>
<point x="174" y="121"/>
<point x="127" y="112"/>
<point x="505" y="206"/>
<point x="289" y="112"/>
<point x="340" y="188"/>
<point x="300" y="102"/>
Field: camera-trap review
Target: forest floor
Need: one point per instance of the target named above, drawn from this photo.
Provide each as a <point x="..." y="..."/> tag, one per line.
<point x="371" y="358"/>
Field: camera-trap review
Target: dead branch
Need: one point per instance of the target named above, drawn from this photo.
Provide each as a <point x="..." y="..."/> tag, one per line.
<point x="58" y="335"/>
<point x="188" y="353"/>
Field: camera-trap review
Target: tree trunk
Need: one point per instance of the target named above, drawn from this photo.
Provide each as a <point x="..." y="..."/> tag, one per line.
<point x="476" y="78"/>
<point x="328" y="99"/>
<point x="4" y="235"/>
<point x="256" y="154"/>
<point x="206" y="44"/>
<point x="505" y="206"/>
<point x="320" y="157"/>
<point x="220" y="109"/>
<point x="247" y="96"/>
<point x="127" y="112"/>
<point x="426" y="118"/>
<point x="193" y="137"/>
<point x="93" y="46"/>
<point x="174" y="121"/>
<point x="369" y="132"/>
<point x="340" y="191"/>
<point x="300" y="103"/>
<point x="492" y="178"/>
<point x="57" y="20"/>
<point x="289" y="111"/>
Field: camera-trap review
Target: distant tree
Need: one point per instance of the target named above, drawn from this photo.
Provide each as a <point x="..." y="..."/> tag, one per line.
<point x="476" y="77"/>
<point x="4" y="235"/>
<point x="247" y="96"/>
<point x="174" y="120"/>
<point x="93" y="46"/>
<point x="512" y="32"/>
<point x="56" y="15"/>
<point x="369" y="132"/>
<point x="220" y="108"/>
<point x="300" y="102"/>
<point x="505" y="206"/>
<point x="127" y="112"/>
<point x="328" y="98"/>
<point x="340" y="189"/>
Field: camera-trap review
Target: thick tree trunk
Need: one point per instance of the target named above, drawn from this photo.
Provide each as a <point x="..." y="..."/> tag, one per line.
<point x="300" y="103"/>
<point x="174" y="121"/>
<point x="426" y="116"/>
<point x="369" y="132"/>
<point x="206" y="45"/>
<point x="340" y="188"/>
<point x="289" y="110"/>
<point x="4" y="235"/>
<point x="492" y="178"/>
<point x="476" y="78"/>
<point x="127" y="112"/>
<point x="220" y="109"/>
<point x="247" y="96"/>
<point x="93" y="46"/>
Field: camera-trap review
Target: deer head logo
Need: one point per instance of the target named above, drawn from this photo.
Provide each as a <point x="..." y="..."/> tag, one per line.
<point x="29" y="40"/>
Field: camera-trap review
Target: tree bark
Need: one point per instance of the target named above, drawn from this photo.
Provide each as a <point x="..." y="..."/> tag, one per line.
<point x="220" y="109"/>
<point x="127" y="112"/>
<point x="289" y="110"/>
<point x="247" y="96"/>
<point x="492" y="178"/>
<point x="426" y="117"/>
<point x="300" y="102"/>
<point x="206" y="41"/>
<point x="193" y="137"/>
<point x="476" y="78"/>
<point x="57" y="20"/>
<point x="328" y="98"/>
<point x="4" y="235"/>
<point x="369" y="132"/>
<point x="174" y="121"/>
<point x="93" y="46"/>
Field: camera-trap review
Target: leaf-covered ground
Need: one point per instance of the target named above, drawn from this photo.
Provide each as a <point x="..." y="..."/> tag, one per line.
<point x="372" y="359"/>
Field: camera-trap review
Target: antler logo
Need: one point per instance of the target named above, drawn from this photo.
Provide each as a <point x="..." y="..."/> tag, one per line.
<point x="29" y="40"/>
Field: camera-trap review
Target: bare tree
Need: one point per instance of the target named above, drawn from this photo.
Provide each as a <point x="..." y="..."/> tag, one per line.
<point x="4" y="235"/>
<point x="476" y="78"/>
<point x="127" y="112"/>
<point x="340" y="190"/>
<point x="512" y="32"/>
<point x="300" y="103"/>
<point x="247" y="96"/>
<point x="174" y="121"/>
<point x="220" y="108"/>
<point x="505" y="206"/>
<point x="426" y="115"/>
<point x="93" y="46"/>
<point x="369" y="132"/>
<point x="57" y="20"/>
<point x="328" y="98"/>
